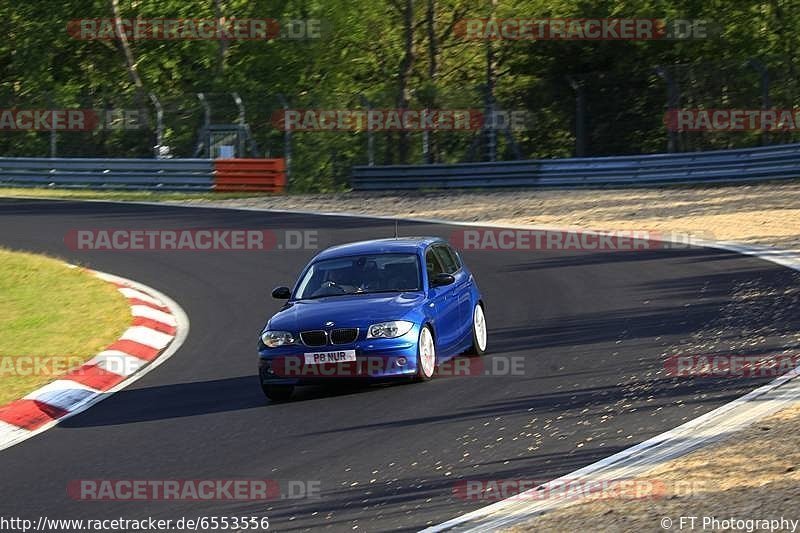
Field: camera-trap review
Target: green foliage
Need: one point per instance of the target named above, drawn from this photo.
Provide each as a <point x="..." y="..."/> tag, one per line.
<point x="361" y="54"/>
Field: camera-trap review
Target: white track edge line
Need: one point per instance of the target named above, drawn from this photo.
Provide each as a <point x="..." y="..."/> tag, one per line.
<point x="785" y="258"/>
<point x="180" y="336"/>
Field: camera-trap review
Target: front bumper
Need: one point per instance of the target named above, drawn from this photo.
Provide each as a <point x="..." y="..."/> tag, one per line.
<point x="376" y="360"/>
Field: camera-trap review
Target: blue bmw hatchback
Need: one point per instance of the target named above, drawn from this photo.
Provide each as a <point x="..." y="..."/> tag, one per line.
<point x="381" y="309"/>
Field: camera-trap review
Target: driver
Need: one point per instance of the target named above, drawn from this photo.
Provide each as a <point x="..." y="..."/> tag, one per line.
<point x="337" y="281"/>
<point x="360" y="276"/>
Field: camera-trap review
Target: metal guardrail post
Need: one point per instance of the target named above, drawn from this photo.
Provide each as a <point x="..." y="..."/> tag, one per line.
<point x="53" y="143"/>
<point x="53" y="134"/>
<point x="580" y="115"/>
<point x="764" y="83"/>
<point x="287" y="142"/>
<point x="203" y="142"/>
<point x="241" y="120"/>
<point x="240" y="107"/>
<point x="673" y="101"/>
<point x="157" y="149"/>
<point x="370" y="135"/>
<point x="489" y="119"/>
<point x="491" y="132"/>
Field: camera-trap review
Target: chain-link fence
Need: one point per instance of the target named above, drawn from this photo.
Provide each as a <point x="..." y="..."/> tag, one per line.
<point x="603" y="113"/>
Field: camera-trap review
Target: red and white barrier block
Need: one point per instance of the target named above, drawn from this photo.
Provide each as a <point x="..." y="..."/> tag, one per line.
<point x="154" y="328"/>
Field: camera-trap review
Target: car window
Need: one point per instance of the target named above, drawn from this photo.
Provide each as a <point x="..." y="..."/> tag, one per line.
<point x="447" y="258"/>
<point x="454" y="254"/>
<point x="361" y="274"/>
<point x="432" y="264"/>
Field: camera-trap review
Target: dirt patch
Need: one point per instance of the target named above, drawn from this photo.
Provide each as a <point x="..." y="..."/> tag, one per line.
<point x="763" y="214"/>
<point x="755" y="475"/>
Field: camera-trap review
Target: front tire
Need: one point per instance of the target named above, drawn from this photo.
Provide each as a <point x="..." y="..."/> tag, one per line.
<point x="426" y="355"/>
<point x="277" y="393"/>
<point x="479" y="332"/>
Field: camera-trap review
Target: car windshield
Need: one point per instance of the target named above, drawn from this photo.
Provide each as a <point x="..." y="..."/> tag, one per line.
<point x="362" y="274"/>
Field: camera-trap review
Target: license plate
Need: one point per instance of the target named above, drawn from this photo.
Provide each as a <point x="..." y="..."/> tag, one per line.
<point x="339" y="356"/>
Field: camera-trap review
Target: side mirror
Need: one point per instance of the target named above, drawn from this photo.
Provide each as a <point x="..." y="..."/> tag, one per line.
<point x="442" y="279"/>
<point x="281" y="293"/>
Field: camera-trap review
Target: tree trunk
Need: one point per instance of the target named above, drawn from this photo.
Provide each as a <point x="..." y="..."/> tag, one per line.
<point x="223" y="43"/>
<point x="130" y="61"/>
<point x="404" y="75"/>
<point x="433" y="72"/>
<point x="433" y="40"/>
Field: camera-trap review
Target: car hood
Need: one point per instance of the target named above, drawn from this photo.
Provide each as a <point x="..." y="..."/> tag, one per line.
<point x="345" y="311"/>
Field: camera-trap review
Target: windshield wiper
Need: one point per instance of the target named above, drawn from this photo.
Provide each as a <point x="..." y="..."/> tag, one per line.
<point x="384" y="290"/>
<point x="323" y="296"/>
<point x="357" y="293"/>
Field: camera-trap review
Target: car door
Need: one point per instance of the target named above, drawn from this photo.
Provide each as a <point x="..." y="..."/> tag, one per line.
<point x="445" y="303"/>
<point x="462" y="288"/>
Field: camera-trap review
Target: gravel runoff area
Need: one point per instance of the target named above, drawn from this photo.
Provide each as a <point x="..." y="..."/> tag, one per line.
<point x="754" y="474"/>
<point x="763" y="214"/>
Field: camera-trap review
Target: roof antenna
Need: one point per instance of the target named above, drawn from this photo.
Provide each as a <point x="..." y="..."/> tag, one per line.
<point x="396" y="235"/>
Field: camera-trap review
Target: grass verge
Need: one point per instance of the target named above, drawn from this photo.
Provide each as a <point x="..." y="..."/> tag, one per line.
<point x="51" y="317"/>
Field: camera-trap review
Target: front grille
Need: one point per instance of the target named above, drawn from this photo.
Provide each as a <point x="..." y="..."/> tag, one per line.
<point x="343" y="335"/>
<point x="314" y="338"/>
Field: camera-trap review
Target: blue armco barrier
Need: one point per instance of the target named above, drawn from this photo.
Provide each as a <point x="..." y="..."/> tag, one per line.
<point x="85" y="173"/>
<point x="749" y="164"/>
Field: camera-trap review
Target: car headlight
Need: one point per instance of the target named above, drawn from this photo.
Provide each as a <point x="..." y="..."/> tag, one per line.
<point x="389" y="330"/>
<point x="273" y="339"/>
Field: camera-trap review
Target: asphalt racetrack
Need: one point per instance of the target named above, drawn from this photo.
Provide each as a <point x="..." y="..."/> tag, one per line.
<point x="593" y="330"/>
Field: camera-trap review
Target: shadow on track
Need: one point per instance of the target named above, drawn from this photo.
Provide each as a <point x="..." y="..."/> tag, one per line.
<point x="200" y="398"/>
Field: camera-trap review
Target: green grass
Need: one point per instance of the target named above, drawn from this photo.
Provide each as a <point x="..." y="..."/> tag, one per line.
<point x="53" y="315"/>
<point x="139" y="196"/>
